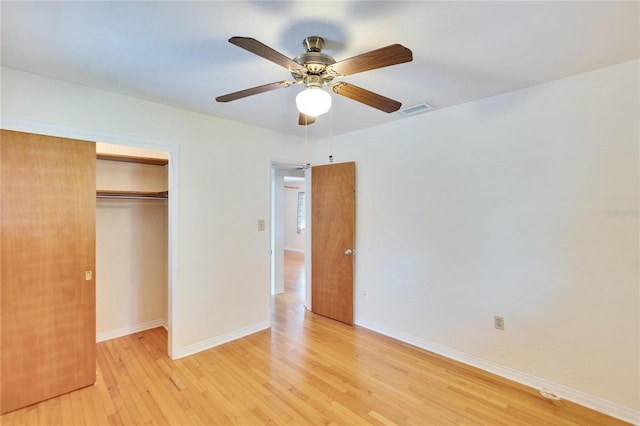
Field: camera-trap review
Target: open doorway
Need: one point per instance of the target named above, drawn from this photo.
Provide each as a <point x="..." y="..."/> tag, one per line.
<point x="288" y="232"/>
<point x="294" y="236"/>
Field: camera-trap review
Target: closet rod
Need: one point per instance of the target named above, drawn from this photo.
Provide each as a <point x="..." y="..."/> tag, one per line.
<point x="135" y="195"/>
<point x="131" y="197"/>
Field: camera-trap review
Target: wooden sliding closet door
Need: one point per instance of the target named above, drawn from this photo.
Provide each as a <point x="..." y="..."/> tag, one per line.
<point x="47" y="267"/>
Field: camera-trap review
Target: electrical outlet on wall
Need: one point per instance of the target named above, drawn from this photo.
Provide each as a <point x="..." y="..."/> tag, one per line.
<point x="498" y="322"/>
<point x="365" y="294"/>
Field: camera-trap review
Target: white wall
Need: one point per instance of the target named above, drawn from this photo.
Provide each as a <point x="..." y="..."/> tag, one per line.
<point x="222" y="288"/>
<point x="501" y="207"/>
<point x="131" y="250"/>
<point x="292" y="239"/>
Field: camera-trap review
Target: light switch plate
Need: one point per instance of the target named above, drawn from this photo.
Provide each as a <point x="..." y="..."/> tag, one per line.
<point x="498" y="323"/>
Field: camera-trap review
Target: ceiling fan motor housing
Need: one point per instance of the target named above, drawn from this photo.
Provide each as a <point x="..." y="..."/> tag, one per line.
<point x="313" y="61"/>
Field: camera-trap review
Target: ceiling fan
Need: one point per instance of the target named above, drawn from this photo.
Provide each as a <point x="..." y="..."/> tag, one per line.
<point x="315" y="69"/>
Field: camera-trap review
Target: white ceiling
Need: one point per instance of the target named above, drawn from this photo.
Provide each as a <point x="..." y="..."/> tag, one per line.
<point x="176" y="53"/>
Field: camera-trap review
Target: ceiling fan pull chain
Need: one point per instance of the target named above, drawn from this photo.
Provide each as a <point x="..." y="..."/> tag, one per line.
<point x="306" y="144"/>
<point x="330" y="136"/>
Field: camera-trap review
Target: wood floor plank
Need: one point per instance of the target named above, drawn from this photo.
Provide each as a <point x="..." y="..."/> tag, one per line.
<point x="305" y="370"/>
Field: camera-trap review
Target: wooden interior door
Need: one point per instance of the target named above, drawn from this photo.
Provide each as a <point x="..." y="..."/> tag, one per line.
<point x="333" y="206"/>
<point x="47" y="267"/>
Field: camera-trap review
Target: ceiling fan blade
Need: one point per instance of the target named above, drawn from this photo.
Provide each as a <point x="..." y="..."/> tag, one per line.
<point x="260" y="49"/>
<point x="305" y="120"/>
<point x="384" y="57"/>
<point x="253" y="91"/>
<point x="366" y="97"/>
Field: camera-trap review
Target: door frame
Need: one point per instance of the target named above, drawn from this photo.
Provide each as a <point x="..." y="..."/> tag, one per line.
<point x="49" y="129"/>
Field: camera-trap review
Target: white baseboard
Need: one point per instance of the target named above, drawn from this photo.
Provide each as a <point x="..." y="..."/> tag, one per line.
<point x="220" y="340"/>
<point x="130" y="329"/>
<point x="579" y="397"/>
<point x="294" y="249"/>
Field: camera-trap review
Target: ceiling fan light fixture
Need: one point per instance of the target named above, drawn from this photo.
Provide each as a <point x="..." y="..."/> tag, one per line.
<point x="313" y="101"/>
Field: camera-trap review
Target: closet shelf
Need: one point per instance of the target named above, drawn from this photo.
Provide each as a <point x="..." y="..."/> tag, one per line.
<point x="131" y="159"/>
<point x="141" y="195"/>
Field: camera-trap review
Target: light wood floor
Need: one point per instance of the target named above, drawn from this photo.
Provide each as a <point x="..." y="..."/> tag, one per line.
<point x="305" y="370"/>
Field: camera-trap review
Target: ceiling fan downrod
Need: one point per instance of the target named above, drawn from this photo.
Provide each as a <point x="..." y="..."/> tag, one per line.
<point x="313" y="44"/>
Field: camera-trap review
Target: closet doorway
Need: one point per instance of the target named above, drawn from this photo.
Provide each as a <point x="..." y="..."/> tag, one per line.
<point x="132" y="240"/>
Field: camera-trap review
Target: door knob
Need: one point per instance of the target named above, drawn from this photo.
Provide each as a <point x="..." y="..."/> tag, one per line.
<point x="348" y="252"/>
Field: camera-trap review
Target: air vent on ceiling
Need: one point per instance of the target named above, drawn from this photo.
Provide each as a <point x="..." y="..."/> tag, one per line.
<point x="416" y="109"/>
